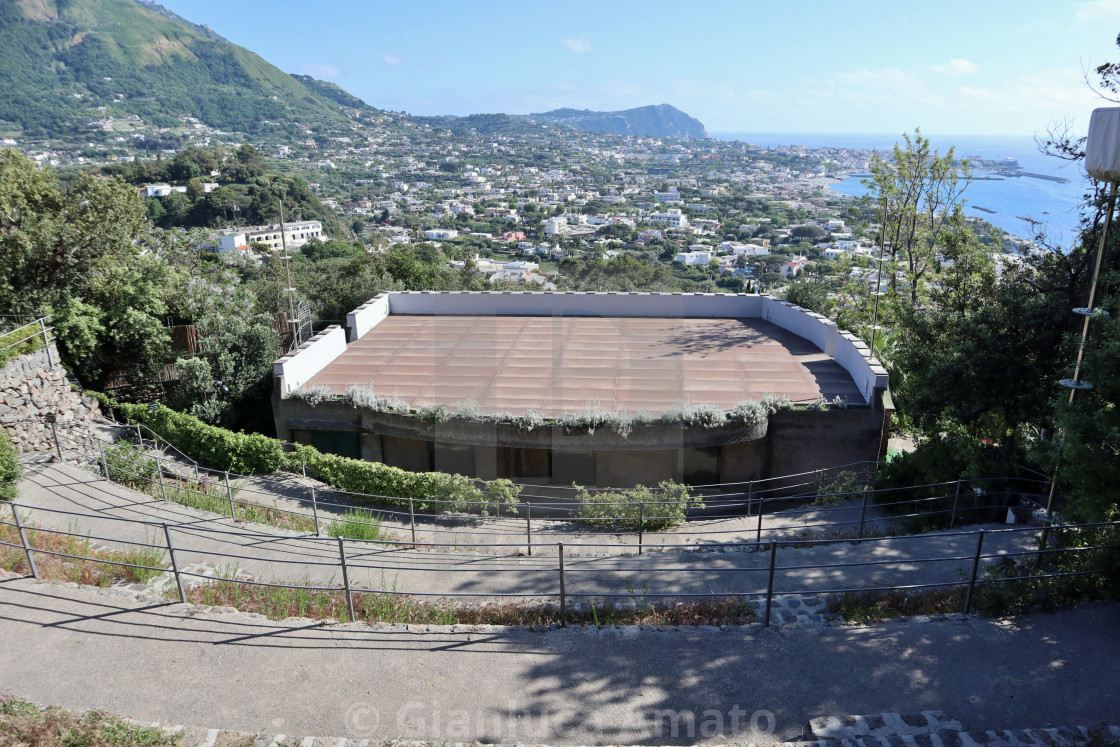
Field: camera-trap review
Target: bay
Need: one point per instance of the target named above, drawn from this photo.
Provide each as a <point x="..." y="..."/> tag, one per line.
<point x="1055" y="205"/>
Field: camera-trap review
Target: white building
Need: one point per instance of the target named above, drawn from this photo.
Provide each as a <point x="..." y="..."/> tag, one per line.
<point x="793" y="266"/>
<point x="296" y="234"/>
<point x="156" y="190"/>
<point x="694" y="258"/>
<point x="672" y="217"/>
<point x="555" y="225"/>
<point x="751" y="250"/>
<point x="438" y="234"/>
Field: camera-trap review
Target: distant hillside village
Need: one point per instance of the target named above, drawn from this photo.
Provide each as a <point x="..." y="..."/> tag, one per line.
<point x="728" y="208"/>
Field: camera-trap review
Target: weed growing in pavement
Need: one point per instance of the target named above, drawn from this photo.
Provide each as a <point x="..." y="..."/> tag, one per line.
<point x="358" y="524"/>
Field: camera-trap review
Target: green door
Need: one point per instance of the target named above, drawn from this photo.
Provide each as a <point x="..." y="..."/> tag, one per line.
<point x="343" y="443"/>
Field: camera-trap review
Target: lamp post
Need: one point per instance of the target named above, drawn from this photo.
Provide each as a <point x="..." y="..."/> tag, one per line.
<point x="1102" y="161"/>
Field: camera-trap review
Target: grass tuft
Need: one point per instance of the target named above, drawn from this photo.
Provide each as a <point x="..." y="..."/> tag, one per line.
<point x="357" y="523"/>
<point x="25" y="723"/>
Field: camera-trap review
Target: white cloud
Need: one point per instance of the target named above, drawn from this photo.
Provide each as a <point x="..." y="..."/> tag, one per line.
<point x="391" y="59"/>
<point x="956" y="67"/>
<point x="577" y="44"/>
<point x="1097" y="12"/>
<point x="320" y="70"/>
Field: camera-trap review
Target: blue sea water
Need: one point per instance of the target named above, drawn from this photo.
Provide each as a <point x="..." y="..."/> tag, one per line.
<point x="1055" y="205"/>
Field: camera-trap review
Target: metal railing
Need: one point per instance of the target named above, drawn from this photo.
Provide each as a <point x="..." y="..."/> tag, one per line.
<point x="342" y="558"/>
<point x="25" y="332"/>
<point x="866" y="511"/>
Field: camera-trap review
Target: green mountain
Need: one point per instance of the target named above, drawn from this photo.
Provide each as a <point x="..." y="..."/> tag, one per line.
<point x="647" y="121"/>
<point x="67" y="64"/>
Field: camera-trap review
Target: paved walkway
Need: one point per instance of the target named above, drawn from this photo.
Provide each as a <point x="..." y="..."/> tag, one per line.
<point x="83" y="649"/>
<point x="268" y="554"/>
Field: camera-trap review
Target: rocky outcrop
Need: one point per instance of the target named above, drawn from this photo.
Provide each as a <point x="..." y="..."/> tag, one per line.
<point x="33" y="385"/>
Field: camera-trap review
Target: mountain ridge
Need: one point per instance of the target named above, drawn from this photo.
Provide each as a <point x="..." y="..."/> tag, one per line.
<point x="66" y="63"/>
<point x="69" y="66"/>
<point x="660" y="120"/>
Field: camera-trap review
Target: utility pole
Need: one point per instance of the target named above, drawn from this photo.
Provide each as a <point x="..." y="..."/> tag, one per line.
<point x="293" y="322"/>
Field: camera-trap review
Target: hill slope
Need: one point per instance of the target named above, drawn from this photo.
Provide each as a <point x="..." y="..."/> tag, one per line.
<point x="652" y="121"/>
<point x="64" y="63"/>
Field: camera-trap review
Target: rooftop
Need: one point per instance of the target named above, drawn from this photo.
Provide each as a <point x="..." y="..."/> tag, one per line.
<point x="558" y="364"/>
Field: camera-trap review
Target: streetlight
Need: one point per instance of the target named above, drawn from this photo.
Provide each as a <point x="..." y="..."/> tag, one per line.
<point x="1102" y="161"/>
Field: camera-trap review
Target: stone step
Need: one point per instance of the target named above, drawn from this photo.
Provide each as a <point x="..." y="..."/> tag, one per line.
<point x="883" y="725"/>
<point x="1065" y="736"/>
<point x="936" y="729"/>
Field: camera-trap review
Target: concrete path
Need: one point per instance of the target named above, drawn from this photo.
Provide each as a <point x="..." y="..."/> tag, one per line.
<point x="83" y="649"/>
<point x="268" y="554"/>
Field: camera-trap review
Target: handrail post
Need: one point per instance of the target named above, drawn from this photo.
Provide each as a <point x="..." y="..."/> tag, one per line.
<point x="750" y="498"/>
<point x="54" y="435"/>
<point x="770" y="582"/>
<point x="162" y="485"/>
<point x="956" y="499"/>
<point x="529" y="526"/>
<point x="563" y="592"/>
<point x="412" y="519"/>
<point x="641" y="524"/>
<point x="758" y="530"/>
<point x="46" y="340"/>
<point x="23" y="540"/>
<point x="104" y="462"/>
<point x="975" y="569"/>
<point x="346" y="578"/>
<point x="315" y="510"/>
<point x="863" y="513"/>
<point x="174" y="563"/>
<point x="229" y="495"/>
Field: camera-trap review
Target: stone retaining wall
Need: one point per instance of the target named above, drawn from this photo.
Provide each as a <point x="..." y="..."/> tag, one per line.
<point x="30" y="387"/>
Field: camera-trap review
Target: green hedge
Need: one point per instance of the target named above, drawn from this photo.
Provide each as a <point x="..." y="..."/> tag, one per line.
<point x="638" y="507"/>
<point x="9" y="468"/>
<point x="251" y="453"/>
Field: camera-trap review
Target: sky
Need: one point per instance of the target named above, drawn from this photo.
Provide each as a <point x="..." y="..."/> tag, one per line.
<point x="982" y="67"/>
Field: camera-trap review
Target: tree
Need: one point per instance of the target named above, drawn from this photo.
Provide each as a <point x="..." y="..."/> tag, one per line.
<point x="811" y="233"/>
<point x="808" y="294"/>
<point x="76" y="253"/>
<point x="918" y="192"/>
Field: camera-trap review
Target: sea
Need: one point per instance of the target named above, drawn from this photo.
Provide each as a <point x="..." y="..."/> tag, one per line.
<point x="1056" y="206"/>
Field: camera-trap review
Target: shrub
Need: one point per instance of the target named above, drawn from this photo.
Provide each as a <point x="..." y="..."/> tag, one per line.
<point x="639" y="506"/>
<point x="751" y="412"/>
<point x="19" y="346"/>
<point x="364" y="398"/>
<point x="129" y="465"/>
<point x="774" y="403"/>
<point x="433" y="415"/>
<point x="820" y="404"/>
<point x="708" y="416"/>
<point x="467" y="410"/>
<point x="244" y="453"/>
<point x="430" y="491"/>
<point x="9" y="468"/>
<point x="1015" y="588"/>
<point x="312" y="395"/>
<point x="844" y="485"/>
<point x="253" y="453"/>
